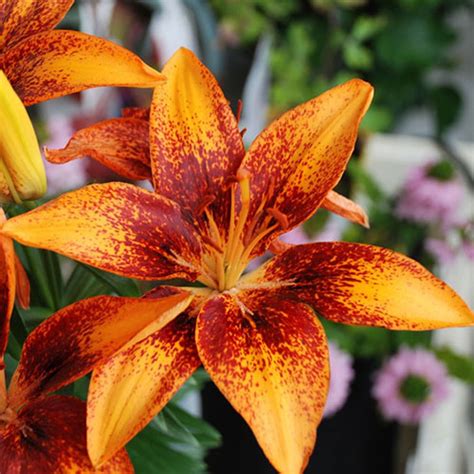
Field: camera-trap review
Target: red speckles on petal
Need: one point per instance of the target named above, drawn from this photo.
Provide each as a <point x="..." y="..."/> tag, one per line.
<point x="363" y="284"/>
<point x="77" y="338"/>
<point x="196" y="146"/>
<point x="136" y="383"/>
<point x="60" y="62"/>
<point x="22" y="18"/>
<point x="116" y="227"/>
<point x="300" y="157"/>
<point x="49" y="436"/>
<point x="269" y="358"/>
<point x="120" y="144"/>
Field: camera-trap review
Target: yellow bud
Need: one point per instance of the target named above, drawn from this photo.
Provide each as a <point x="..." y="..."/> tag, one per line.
<point x="22" y="174"/>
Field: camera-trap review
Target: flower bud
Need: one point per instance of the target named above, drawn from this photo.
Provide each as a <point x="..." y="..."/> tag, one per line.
<point x="22" y="174"/>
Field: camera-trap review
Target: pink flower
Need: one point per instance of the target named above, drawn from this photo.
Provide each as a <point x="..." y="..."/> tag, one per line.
<point x="440" y="250"/>
<point x="468" y="248"/>
<point x="342" y="374"/>
<point x="430" y="199"/>
<point x="410" y="385"/>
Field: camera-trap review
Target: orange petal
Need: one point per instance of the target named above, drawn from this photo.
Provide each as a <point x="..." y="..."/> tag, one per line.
<point x="363" y="285"/>
<point x="7" y="287"/>
<point x="77" y="338"/>
<point x="49" y="436"/>
<point x="298" y="159"/>
<point x="120" y="144"/>
<point x="195" y="141"/>
<point x="136" y="383"/>
<point x="346" y="208"/>
<point x="22" y="284"/>
<point x="116" y="227"/>
<point x="61" y="62"/>
<point x="23" y="18"/>
<point x="271" y="363"/>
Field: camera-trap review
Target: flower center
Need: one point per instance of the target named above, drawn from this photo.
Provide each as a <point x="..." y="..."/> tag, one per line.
<point x="227" y="258"/>
<point x="415" y="389"/>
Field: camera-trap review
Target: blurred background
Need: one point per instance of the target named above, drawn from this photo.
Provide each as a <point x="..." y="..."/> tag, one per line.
<point x="399" y="402"/>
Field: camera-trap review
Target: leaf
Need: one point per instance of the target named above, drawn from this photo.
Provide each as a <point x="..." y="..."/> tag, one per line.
<point x="459" y="366"/>
<point x="151" y="452"/>
<point x="81" y="284"/>
<point x="34" y="316"/>
<point x="119" y="285"/>
<point x="365" y="27"/>
<point x="185" y="428"/>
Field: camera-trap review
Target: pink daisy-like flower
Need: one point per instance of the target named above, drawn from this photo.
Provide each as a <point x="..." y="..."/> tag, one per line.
<point x="410" y="385"/>
<point x="342" y="374"/>
<point x="431" y="195"/>
<point x="440" y="250"/>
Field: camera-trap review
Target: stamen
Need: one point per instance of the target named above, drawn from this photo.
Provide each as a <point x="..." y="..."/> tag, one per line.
<point x="208" y="199"/>
<point x="243" y="177"/>
<point x="279" y="216"/>
<point x="240" y="105"/>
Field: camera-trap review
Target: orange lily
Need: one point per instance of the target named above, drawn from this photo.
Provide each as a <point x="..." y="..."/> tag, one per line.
<point x="214" y="208"/>
<point x="40" y="432"/>
<point x="42" y="63"/>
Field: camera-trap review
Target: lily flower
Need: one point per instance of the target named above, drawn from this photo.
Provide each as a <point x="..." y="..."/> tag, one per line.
<point x="216" y="207"/>
<point x="42" y="63"/>
<point x="44" y="432"/>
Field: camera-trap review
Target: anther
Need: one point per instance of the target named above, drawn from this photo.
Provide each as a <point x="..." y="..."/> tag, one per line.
<point x="281" y="217"/>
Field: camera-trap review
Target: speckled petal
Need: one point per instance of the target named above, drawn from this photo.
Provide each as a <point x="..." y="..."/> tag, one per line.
<point x="120" y="144"/>
<point x="196" y="145"/>
<point x="117" y="227"/>
<point x="271" y="363"/>
<point x="344" y="207"/>
<point x="22" y="18"/>
<point x="7" y="287"/>
<point x="363" y="285"/>
<point x="74" y="340"/>
<point x="135" y="384"/>
<point x="61" y="62"/>
<point x="49" y="436"/>
<point x="299" y="158"/>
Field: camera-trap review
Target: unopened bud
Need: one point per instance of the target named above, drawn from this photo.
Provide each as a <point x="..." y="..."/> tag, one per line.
<point x="22" y="174"/>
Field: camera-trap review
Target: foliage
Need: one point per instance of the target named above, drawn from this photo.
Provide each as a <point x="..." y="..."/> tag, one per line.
<point x="393" y="44"/>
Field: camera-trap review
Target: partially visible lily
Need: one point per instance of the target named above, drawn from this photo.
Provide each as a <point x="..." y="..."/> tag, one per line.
<point x="216" y="207"/>
<point x="22" y="174"/>
<point x="42" y="63"/>
<point x="41" y="432"/>
<point x="13" y="284"/>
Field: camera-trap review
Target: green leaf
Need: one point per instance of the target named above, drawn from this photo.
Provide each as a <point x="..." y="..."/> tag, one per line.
<point x="459" y="366"/>
<point x="183" y="427"/>
<point x="117" y="284"/>
<point x="150" y="453"/>
<point x="34" y="315"/>
<point x="357" y="56"/>
<point x="365" y="27"/>
<point x="81" y="284"/>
